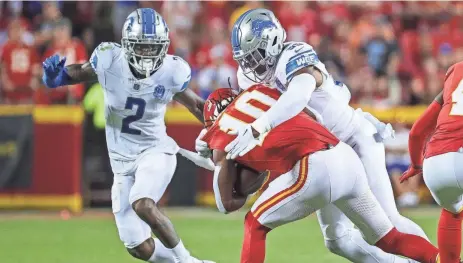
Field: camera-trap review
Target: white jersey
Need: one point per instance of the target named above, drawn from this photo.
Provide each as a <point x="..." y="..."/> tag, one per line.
<point x="135" y="108"/>
<point x="329" y="102"/>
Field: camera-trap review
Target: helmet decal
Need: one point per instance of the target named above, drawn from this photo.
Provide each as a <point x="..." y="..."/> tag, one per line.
<point x="258" y="26"/>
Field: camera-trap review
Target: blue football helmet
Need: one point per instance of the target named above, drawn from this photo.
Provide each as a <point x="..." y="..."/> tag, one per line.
<point x="145" y="40"/>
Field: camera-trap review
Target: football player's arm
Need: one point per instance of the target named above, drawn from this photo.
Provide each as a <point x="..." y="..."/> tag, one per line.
<point x="55" y="74"/>
<point x="81" y="73"/>
<point x="421" y="130"/>
<point x="192" y="102"/>
<point x="225" y="175"/>
<point x="292" y="102"/>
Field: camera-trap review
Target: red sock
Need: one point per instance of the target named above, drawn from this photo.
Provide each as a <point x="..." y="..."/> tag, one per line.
<point x="410" y="246"/>
<point x="449" y="237"/>
<point x="255" y="234"/>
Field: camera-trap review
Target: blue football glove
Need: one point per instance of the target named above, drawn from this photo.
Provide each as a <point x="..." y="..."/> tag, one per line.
<point x="54" y="72"/>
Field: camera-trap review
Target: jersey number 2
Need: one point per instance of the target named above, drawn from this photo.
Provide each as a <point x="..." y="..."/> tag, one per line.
<point x="457" y="100"/>
<point x="129" y="104"/>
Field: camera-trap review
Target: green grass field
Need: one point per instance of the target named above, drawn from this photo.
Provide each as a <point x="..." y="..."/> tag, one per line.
<point x="92" y="238"/>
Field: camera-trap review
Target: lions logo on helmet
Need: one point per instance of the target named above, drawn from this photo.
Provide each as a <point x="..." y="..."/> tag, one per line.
<point x="145" y="39"/>
<point x="259" y="25"/>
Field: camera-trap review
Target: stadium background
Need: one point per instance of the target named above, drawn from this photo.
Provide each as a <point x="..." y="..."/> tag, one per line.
<point x="392" y="55"/>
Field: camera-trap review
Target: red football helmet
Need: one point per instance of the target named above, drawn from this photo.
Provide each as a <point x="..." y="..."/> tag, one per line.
<point x="215" y="104"/>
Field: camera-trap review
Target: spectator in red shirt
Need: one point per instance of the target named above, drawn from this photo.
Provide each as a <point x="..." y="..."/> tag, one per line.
<point x="298" y="20"/>
<point x="20" y="68"/>
<point x="74" y="50"/>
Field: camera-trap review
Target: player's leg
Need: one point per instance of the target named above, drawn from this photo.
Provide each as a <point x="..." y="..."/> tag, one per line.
<point x="362" y="208"/>
<point x="372" y="155"/>
<point x="133" y="232"/>
<point x="153" y="175"/>
<point x="288" y="198"/>
<point x="443" y="174"/>
<point x="341" y="238"/>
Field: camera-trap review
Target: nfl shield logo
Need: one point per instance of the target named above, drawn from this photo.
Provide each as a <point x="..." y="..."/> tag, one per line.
<point x="136" y="86"/>
<point x="159" y="92"/>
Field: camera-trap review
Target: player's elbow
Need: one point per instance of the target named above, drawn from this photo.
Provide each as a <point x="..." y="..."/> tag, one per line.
<point x="223" y="207"/>
<point x="414" y="134"/>
<point x="230" y="206"/>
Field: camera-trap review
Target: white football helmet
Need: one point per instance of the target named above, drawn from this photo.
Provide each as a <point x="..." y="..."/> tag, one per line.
<point x="145" y="39"/>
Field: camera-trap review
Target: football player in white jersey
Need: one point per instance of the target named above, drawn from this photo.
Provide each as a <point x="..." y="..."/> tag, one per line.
<point x="259" y="47"/>
<point x="139" y="79"/>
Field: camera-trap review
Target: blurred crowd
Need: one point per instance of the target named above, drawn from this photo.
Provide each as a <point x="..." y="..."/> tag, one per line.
<point x="388" y="53"/>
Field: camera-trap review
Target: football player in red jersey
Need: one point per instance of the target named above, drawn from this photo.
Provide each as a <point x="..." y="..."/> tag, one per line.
<point x="443" y="160"/>
<point x="302" y="151"/>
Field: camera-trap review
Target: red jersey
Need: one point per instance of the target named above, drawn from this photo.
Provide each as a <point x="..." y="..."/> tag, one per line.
<point x="20" y="61"/>
<point x="283" y="146"/>
<point x="448" y="136"/>
<point x="75" y="53"/>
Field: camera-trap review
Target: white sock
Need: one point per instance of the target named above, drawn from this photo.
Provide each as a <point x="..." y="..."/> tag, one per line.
<point x="161" y="254"/>
<point x="181" y="254"/>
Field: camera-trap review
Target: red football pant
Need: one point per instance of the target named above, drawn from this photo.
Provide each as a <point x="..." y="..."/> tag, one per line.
<point x="410" y="246"/>
<point x="255" y="234"/>
<point x="449" y="237"/>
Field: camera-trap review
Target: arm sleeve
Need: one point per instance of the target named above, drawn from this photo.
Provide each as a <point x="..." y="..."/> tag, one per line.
<point x="218" y="197"/>
<point x="290" y="103"/>
<point x="344" y="92"/>
<point x="422" y="128"/>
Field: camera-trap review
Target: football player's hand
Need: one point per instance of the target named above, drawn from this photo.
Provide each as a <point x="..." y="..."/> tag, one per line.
<point x="385" y="131"/>
<point x="53" y="69"/>
<point x="201" y="146"/>
<point x="411" y="171"/>
<point x="242" y="144"/>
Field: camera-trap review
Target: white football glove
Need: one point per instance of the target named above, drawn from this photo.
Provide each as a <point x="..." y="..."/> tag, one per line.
<point x="384" y="131"/>
<point x="200" y="161"/>
<point x="242" y="144"/>
<point x="201" y="146"/>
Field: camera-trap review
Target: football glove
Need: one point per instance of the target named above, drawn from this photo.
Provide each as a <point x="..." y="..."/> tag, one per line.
<point x="201" y="146"/>
<point x="242" y="144"/>
<point x="54" y="72"/>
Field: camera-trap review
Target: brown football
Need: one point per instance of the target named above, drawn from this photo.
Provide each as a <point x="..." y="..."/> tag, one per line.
<point x="248" y="180"/>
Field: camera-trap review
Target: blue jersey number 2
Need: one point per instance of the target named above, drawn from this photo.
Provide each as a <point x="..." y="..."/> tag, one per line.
<point x="140" y="103"/>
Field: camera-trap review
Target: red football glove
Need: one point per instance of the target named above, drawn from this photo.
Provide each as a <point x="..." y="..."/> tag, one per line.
<point x="411" y="171"/>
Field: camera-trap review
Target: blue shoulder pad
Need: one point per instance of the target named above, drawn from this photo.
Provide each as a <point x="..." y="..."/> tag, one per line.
<point x="300" y="61"/>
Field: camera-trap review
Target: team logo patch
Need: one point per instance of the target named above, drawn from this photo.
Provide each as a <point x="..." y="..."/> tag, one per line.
<point x="132" y="20"/>
<point x="258" y="26"/>
<point x="159" y="91"/>
<point x="136" y="86"/>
